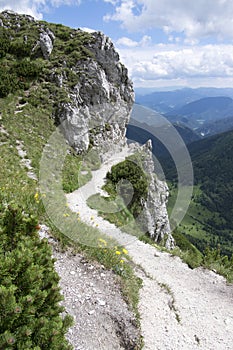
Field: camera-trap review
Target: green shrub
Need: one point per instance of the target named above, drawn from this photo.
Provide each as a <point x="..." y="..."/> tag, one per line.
<point x="29" y="293"/>
<point x="222" y="264"/>
<point x="27" y="68"/>
<point x="186" y="250"/>
<point x="4" y="42"/>
<point x="20" y="49"/>
<point x="136" y="178"/>
<point x="8" y="82"/>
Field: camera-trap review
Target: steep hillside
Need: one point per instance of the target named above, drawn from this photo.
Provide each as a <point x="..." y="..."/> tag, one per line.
<point x="51" y="74"/>
<point x="211" y="208"/>
<point x="216" y="127"/>
<point x="55" y="76"/>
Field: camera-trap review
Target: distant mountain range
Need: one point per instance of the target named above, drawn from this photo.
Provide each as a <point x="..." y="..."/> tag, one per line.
<point x="205" y="110"/>
<point x="197" y="109"/>
<point x="166" y="101"/>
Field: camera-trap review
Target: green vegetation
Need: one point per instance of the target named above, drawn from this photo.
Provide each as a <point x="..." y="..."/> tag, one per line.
<point x="189" y="233"/>
<point x="72" y="173"/>
<point x="197" y="242"/>
<point x="134" y="189"/>
<point x="29" y="293"/>
<point x="208" y="223"/>
<point x="18" y="67"/>
<point x="23" y="65"/>
<point x="209" y="218"/>
<point x="114" y="210"/>
<point x="126" y="186"/>
<point x="29" y="98"/>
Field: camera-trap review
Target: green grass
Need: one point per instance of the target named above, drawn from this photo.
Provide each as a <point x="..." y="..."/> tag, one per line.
<point x="199" y="223"/>
<point x="212" y="208"/>
<point x="34" y="127"/>
<point x="114" y="210"/>
<point x="73" y="176"/>
<point x="33" y="93"/>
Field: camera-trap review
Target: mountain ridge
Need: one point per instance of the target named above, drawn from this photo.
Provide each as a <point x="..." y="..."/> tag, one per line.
<point x="70" y="72"/>
<point x="195" y="108"/>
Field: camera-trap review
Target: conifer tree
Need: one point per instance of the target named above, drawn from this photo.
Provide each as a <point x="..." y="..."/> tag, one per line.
<point x="30" y="313"/>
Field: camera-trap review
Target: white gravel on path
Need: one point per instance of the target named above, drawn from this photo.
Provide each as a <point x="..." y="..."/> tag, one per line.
<point x="180" y="308"/>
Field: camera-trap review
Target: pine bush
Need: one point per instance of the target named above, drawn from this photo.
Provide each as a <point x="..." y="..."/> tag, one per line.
<point x="30" y="311"/>
<point x="128" y="170"/>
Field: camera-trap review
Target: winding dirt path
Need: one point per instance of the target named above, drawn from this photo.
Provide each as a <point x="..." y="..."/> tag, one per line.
<point x="180" y="308"/>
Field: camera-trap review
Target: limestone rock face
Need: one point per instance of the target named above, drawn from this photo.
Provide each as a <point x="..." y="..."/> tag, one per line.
<point x="46" y="43"/>
<point x="101" y="102"/>
<point x="8" y="14"/>
<point x="155" y="210"/>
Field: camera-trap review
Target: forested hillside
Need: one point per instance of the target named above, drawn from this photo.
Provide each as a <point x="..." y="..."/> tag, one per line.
<point x="212" y="204"/>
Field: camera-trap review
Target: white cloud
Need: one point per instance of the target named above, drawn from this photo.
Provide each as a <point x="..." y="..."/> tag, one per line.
<point x="34" y="7"/>
<point x="113" y="2"/>
<point x="124" y="41"/>
<point x="169" y="63"/>
<point x="127" y="42"/>
<point x="195" y="19"/>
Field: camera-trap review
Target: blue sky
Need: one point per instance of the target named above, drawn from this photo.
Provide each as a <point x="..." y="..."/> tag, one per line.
<point x="162" y="42"/>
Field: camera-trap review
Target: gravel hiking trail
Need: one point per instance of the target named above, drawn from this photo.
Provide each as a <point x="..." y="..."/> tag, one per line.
<point x="180" y="308"/>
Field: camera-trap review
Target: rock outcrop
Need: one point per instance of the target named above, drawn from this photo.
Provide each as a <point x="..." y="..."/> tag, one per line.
<point x="46" y="43"/>
<point x="90" y="94"/>
<point x="101" y="102"/>
<point x="46" y="37"/>
<point x="155" y="210"/>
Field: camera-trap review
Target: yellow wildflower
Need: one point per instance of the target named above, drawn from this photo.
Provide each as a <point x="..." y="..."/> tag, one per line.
<point x="36" y="196"/>
<point x="118" y="253"/>
<point x="66" y="215"/>
<point x="125" y="251"/>
<point x="102" y="241"/>
<point x="122" y="261"/>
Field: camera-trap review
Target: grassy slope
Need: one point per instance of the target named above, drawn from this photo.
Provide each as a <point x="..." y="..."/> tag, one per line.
<point x="27" y="116"/>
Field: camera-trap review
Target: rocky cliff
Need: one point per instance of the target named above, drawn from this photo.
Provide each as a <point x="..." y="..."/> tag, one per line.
<point x="101" y="101"/>
<point x="78" y="77"/>
<point x="93" y="93"/>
